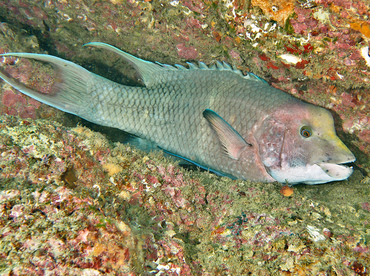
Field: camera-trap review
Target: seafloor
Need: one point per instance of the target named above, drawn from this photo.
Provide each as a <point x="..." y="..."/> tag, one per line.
<point x="74" y="201"/>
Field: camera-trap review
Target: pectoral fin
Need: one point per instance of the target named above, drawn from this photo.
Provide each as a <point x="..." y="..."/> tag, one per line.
<point x="230" y="139"/>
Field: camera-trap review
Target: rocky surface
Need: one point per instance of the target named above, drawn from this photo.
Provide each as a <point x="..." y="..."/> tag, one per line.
<point x="73" y="203"/>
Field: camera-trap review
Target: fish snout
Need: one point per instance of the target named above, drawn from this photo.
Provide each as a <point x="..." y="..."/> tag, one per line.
<point x="339" y="153"/>
<point x="335" y="166"/>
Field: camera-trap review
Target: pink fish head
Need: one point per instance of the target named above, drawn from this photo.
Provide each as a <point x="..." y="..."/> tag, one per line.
<point x="298" y="144"/>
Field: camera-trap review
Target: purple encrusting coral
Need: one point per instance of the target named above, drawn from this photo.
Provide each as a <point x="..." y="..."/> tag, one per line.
<point x="73" y="203"/>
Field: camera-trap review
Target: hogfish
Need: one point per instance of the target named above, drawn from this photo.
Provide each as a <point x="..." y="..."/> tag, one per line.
<point x="215" y="117"/>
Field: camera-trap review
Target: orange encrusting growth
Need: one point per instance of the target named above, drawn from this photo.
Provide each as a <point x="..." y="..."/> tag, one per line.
<point x="275" y="9"/>
<point x="286" y="191"/>
<point x="361" y="26"/>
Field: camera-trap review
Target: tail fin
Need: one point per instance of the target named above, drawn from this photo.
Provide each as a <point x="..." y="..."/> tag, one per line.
<point x="69" y="92"/>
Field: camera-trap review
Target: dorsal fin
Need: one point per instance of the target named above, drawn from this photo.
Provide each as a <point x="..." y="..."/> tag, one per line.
<point x="146" y="69"/>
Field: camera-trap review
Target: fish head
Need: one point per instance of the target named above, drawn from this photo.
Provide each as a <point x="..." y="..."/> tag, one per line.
<point x="298" y="144"/>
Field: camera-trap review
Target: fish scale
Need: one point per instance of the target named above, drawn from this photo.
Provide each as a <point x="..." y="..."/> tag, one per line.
<point x="178" y="125"/>
<point x="217" y="118"/>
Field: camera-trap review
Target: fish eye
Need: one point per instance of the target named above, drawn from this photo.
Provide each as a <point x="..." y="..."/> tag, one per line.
<point x="274" y="8"/>
<point x="306" y="131"/>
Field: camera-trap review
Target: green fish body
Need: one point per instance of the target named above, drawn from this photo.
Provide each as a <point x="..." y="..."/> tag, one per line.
<point x="215" y="117"/>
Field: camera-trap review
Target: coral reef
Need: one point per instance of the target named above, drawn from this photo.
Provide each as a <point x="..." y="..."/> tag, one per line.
<point x="73" y="202"/>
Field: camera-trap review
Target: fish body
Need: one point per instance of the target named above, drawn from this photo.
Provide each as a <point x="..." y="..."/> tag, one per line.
<point x="216" y="117"/>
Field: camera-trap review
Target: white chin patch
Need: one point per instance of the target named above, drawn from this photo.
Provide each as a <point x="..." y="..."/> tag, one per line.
<point x="312" y="174"/>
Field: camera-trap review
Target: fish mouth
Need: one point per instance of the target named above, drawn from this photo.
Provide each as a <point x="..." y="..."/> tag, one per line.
<point x="328" y="172"/>
<point x="317" y="173"/>
<point x="337" y="172"/>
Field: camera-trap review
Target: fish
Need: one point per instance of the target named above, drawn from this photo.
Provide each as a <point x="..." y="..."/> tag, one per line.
<point x="216" y="117"/>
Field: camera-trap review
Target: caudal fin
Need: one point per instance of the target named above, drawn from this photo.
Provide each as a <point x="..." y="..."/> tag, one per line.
<point x="69" y="91"/>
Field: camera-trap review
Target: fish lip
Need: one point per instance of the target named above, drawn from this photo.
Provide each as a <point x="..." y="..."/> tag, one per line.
<point x="345" y="164"/>
<point x="337" y="171"/>
<point x="341" y="164"/>
<point x="317" y="173"/>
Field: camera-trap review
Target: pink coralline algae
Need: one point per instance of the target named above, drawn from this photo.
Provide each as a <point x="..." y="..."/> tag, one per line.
<point x="17" y="104"/>
<point x="185" y="52"/>
<point x="366" y="206"/>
